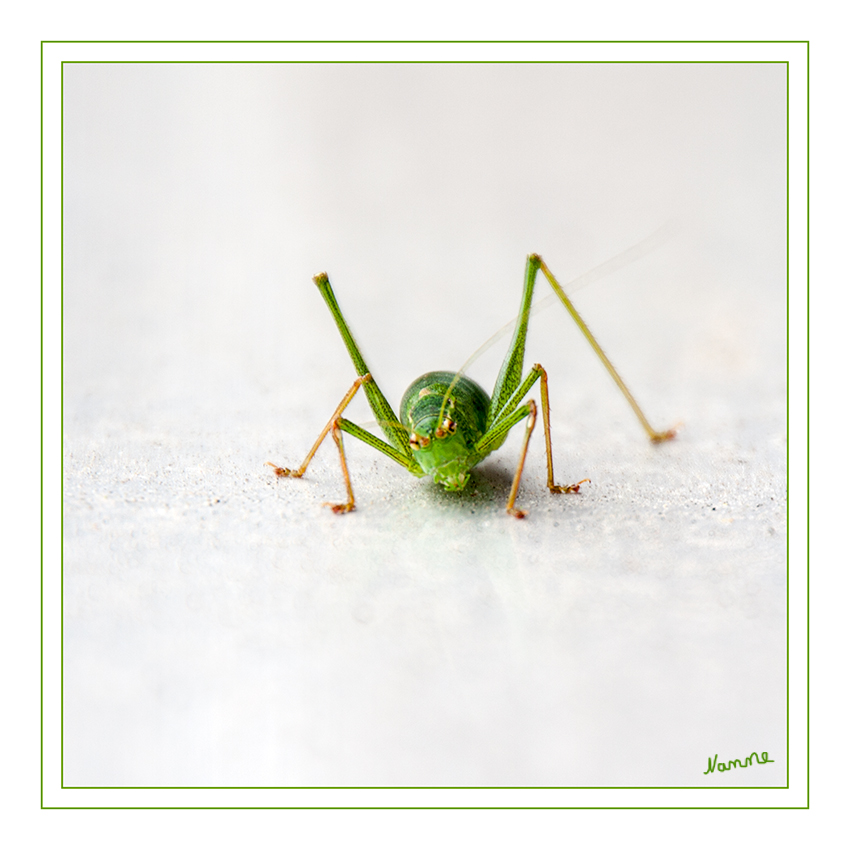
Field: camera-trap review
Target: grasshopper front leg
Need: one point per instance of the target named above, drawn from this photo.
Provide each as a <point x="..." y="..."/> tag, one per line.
<point x="511" y="415"/>
<point x="529" y="427"/>
<point x="336" y="424"/>
<point x="282" y="471"/>
<point x="333" y="427"/>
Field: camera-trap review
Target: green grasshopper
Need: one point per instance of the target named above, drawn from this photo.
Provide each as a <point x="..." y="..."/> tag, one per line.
<point x="448" y="424"/>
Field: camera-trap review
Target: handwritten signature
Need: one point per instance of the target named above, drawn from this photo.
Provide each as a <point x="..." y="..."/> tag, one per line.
<point x="747" y="762"/>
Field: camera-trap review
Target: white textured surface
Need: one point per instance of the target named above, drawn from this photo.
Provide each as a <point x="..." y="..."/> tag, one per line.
<point x="221" y="627"/>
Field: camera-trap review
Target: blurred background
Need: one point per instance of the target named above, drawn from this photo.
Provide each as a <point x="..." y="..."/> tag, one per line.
<point x="221" y="627"/>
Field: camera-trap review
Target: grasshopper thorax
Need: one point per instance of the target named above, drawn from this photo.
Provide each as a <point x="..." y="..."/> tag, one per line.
<point x="446" y="414"/>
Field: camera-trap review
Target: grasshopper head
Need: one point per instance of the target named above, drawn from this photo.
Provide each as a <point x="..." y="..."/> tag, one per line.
<point x="441" y="451"/>
<point x="445" y="413"/>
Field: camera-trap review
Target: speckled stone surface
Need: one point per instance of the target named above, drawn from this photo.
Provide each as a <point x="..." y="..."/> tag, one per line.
<point x="220" y="626"/>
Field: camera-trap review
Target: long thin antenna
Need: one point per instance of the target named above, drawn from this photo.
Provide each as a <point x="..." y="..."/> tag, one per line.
<point x="624" y="258"/>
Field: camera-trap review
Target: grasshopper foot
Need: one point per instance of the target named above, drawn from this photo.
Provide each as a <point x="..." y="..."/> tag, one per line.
<point x="339" y="509"/>
<point x="282" y="472"/>
<point x="519" y="513"/>
<point x="568" y="488"/>
<point x="663" y="436"/>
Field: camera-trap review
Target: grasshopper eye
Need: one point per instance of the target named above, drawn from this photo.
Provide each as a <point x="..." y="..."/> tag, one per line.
<point x="448" y="427"/>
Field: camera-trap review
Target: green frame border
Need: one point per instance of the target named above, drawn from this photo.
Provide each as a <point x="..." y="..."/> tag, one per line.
<point x="787" y="451"/>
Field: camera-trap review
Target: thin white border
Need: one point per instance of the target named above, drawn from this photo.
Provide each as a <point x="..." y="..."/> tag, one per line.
<point x="796" y="53"/>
